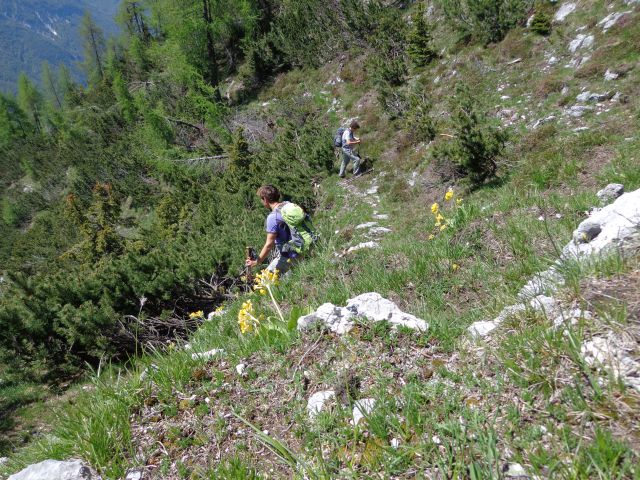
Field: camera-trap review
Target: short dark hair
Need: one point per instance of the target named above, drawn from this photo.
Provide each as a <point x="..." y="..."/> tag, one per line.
<point x="269" y="193"/>
<point x="354" y="125"/>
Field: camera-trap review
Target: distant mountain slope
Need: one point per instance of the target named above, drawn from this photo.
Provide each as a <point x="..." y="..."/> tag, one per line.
<point x="32" y="31"/>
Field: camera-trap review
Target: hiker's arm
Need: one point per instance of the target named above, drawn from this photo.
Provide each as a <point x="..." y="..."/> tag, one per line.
<point x="268" y="246"/>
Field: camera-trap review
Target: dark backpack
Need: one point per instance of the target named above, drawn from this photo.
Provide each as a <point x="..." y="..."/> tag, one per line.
<point x="337" y="140"/>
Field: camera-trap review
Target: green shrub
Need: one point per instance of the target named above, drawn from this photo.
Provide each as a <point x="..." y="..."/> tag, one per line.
<point x="487" y="21"/>
<point x="420" y="40"/>
<point x="476" y="144"/>
<point x="419" y="121"/>
<point x="541" y="24"/>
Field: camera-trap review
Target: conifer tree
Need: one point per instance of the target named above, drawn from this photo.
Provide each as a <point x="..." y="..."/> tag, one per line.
<point x="420" y="40"/>
<point x="94" y="49"/>
<point x="240" y="161"/>
<point x="66" y="86"/>
<point x="124" y="98"/>
<point x="50" y="86"/>
<point x="30" y="100"/>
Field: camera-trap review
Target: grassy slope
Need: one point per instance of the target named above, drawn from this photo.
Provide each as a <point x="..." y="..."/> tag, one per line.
<point x="454" y="407"/>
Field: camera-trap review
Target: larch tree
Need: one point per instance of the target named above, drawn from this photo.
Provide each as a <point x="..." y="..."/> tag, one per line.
<point x="94" y="49"/>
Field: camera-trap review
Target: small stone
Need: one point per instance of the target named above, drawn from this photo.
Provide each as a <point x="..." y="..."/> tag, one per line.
<point x="317" y="400"/>
<point x="586" y="232"/>
<point x="362" y="246"/>
<point x="395" y="443"/>
<point x="134" y="475"/>
<point x="362" y="408"/>
<point x="610" y="192"/>
<point x="610" y="75"/>
<point x="516" y="470"/>
<point x="379" y="231"/>
<point x="435" y="439"/>
<point x="366" y="225"/>
<point x="241" y="368"/>
<point x="207" y="355"/>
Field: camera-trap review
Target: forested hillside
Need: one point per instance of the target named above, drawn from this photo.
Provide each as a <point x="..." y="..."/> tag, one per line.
<point x="487" y="127"/>
<point x="36" y="31"/>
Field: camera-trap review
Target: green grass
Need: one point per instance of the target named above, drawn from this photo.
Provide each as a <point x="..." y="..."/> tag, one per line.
<point x="526" y="397"/>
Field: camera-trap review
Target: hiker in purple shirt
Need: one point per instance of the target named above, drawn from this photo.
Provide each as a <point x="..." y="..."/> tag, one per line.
<point x="278" y="234"/>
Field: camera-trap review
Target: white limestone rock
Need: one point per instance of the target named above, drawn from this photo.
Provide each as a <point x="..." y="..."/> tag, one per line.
<point x="376" y="308"/>
<point x="547" y="305"/>
<point x="581" y="42"/>
<point x="379" y="231"/>
<point x="241" y="369"/>
<point x="56" y="470"/>
<point x="515" y="470"/>
<point x="134" y="475"/>
<point x="483" y="328"/>
<point x="337" y="319"/>
<point x="381" y="216"/>
<point x="610" y="75"/>
<point x="541" y="283"/>
<point x="317" y="401"/>
<point x="610" y="192"/>
<point x="207" y="355"/>
<point x="362" y="246"/>
<point x="617" y="354"/>
<point x="618" y="223"/>
<point x="371" y="306"/>
<point x="577" y="111"/>
<point x="564" y="11"/>
<point x="610" y="20"/>
<point x="362" y="409"/>
<point x="571" y="317"/>
<point x="366" y="225"/>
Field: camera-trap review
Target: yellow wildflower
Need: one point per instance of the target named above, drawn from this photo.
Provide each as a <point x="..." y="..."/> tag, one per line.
<point x="219" y="309"/>
<point x="458" y="201"/>
<point x="449" y="195"/>
<point x="263" y="291"/>
<point x="434" y="208"/>
<point x="246" y="320"/>
<point x="198" y="314"/>
<point x="455" y="267"/>
<point x="432" y="236"/>
<point x="439" y="217"/>
<point x="442" y="227"/>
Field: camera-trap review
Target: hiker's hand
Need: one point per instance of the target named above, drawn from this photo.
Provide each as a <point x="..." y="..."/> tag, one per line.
<point x="250" y="263"/>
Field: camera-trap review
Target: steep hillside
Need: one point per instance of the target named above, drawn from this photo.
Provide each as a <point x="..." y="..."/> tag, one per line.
<point x="34" y="31"/>
<point x="471" y="310"/>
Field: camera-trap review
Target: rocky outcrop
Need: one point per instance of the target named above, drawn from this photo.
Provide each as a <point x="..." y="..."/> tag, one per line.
<point x="56" y="470"/>
<point x="616" y="226"/>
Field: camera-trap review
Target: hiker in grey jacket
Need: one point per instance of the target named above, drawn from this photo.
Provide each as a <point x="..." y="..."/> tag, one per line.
<point x="349" y="140"/>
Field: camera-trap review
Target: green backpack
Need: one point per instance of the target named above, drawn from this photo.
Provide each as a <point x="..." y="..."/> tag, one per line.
<point x="303" y="236"/>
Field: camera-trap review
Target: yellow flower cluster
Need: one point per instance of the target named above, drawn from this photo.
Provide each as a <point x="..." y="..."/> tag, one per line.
<point x="198" y="314"/>
<point x="246" y="320"/>
<point x="441" y="222"/>
<point x="264" y="280"/>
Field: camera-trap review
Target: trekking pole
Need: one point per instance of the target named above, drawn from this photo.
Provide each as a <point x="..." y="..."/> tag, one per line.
<point x="251" y="255"/>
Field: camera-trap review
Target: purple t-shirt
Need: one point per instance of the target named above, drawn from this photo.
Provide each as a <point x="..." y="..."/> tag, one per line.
<point x="276" y="224"/>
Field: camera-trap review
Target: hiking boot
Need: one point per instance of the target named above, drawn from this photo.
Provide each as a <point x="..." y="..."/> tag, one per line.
<point x="341" y="176"/>
<point x="358" y="173"/>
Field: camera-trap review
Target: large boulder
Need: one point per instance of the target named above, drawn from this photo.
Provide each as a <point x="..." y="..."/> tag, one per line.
<point x="56" y="470"/>
<point x="371" y="306"/>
